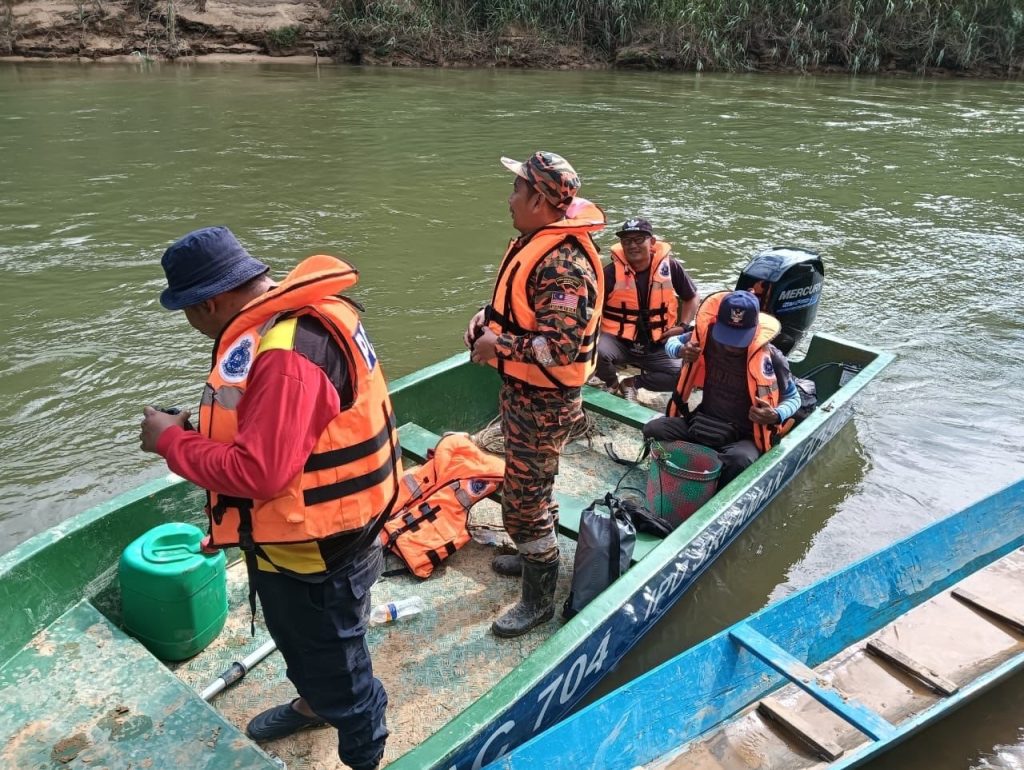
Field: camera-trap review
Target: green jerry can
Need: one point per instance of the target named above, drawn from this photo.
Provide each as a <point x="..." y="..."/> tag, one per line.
<point x="173" y="596"/>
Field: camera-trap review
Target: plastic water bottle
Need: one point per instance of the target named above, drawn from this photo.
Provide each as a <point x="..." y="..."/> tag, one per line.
<point x="391" y="611"/>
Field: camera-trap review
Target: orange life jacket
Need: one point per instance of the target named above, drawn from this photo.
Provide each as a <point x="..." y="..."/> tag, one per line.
<point x="761" y="380"/>
<point x="511" y="312"/>
<point x="623" y="313"/>
<point x="430" y="519"/>
<point x="351" y="476"/>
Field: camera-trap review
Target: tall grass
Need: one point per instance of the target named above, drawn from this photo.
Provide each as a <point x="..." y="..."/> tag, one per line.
<point x="7" y="33"/>
<point x="851" y="35"/>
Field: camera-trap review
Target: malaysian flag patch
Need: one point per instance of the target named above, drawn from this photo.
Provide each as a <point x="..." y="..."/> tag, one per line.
<point x="562" y="301"/>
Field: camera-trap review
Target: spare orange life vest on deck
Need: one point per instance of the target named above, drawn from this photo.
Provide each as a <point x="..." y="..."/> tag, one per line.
<point x="429" y="520"/>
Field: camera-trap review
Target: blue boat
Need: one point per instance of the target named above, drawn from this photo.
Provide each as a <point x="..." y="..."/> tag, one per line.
<point x="831" y="676"/>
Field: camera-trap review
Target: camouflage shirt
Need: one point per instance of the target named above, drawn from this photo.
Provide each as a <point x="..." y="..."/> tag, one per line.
<point x="563" y="293"/>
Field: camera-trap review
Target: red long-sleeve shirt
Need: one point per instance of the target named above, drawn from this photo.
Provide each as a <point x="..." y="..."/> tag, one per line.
<point x="288" y="403"/>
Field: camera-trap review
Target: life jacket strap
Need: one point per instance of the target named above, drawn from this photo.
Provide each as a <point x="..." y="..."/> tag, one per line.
<point x="340" y="489"/>
<point x="319" y="461"/>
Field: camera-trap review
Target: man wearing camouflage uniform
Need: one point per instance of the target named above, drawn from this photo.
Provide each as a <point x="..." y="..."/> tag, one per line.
<point x="540" y="332"/>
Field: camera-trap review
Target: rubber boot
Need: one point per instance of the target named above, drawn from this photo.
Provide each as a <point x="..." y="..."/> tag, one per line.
<point x="511" y="564"/>
<point x="537" y="604"/>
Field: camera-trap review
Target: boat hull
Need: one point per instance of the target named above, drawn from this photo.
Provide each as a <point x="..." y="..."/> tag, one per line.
<point x="79" y="557"/>
<point x="692" y="695"/>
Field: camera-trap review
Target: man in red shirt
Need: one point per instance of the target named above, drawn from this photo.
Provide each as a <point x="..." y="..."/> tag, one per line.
<point x="293" y="371"/>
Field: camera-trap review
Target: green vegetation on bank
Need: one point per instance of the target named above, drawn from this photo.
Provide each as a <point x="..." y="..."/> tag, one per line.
<point x="859" y="36"/>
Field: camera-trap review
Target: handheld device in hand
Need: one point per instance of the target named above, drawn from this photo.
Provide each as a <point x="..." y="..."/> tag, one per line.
<point x="175" y="410"/>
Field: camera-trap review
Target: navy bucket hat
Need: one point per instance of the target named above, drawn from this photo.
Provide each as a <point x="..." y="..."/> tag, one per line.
<point x="203" y="264"/>
<point x="738" y="316"/>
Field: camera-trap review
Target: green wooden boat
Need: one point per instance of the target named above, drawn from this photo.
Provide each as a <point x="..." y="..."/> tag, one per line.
<point x="77" y="692"/>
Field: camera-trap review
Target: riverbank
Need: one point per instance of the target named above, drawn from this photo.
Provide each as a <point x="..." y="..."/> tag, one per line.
<point x="952" y="37"/>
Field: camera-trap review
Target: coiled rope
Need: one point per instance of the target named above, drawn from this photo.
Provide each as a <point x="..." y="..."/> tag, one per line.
<point x="490" y="439"/>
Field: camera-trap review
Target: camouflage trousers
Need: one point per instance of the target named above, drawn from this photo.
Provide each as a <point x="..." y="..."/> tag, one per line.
<point x="535" y="424"/>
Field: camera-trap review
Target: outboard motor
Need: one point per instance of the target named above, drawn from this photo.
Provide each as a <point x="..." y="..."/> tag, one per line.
<point x="788" y="282"/>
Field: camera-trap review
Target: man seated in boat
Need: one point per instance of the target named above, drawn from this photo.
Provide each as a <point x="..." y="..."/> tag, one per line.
<point x="648" y="299"/>
<point x="749" y="394"/>
<point x="299" y="455"/>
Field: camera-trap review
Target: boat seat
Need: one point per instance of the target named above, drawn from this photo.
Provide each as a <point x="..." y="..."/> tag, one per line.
<point x="84" y="694"/>
<point x="627" y="412"/>
<point x="416" y="441"/>
<point x="570" y="510"/>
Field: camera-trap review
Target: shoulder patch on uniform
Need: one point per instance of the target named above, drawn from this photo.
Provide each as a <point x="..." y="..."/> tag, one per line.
<point x="665" y="271"/>
<point x="365" y="348"/>
<point x="767" y="368"/>
<point x="235" y="363"/>
<point x="563" y="301"/>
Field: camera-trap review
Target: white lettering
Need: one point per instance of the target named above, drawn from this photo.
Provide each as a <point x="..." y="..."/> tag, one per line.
<point x="545" y="695"/>
<point x="573" y="679"/>
<point x="600" y="656"/>
<point x="803" y="291"/>
<point x="479" y="761"/>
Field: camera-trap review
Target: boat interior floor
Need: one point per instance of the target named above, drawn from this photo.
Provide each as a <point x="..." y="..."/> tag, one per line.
<point x="898" y="672"/>
<point x="433" y="664"/>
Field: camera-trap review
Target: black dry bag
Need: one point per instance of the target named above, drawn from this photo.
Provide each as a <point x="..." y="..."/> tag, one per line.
<point x="604" y="549"/>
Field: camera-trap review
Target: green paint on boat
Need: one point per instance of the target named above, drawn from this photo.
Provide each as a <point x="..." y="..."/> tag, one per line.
<point x="454" y="688"/>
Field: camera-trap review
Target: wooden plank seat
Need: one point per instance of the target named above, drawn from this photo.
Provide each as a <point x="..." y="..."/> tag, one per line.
<point x="804" y="731"/>
<point x="991" y="609"/>
<point x="887" y="652"/>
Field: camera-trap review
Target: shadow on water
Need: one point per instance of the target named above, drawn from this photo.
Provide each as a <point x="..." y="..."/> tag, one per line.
<point x="759" y="565"/>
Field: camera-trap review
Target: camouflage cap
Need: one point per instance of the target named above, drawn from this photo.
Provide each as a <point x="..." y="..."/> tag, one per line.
<point x="550" y="175"/>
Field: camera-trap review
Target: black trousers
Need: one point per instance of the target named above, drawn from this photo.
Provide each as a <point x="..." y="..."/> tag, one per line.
<point x="658" y="371"/>
<point x="735" y="457"/>
<point x="320" y="629"/>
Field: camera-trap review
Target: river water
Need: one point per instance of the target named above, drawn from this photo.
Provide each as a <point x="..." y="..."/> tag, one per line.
<point x="912" y="190"/>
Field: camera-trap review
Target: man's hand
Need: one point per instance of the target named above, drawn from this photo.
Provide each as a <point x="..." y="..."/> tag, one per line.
<point x="483" y="349"/>
<point x="691" y="352"/>
<point x="762" y="413"/>
<point x="475" y="324"/>
<point x="154" y="423"/>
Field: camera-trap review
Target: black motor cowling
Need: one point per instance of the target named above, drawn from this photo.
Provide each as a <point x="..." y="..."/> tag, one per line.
<point x="788" y="282"/>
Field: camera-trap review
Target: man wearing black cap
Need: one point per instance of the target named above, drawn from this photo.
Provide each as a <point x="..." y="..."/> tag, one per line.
<point x="749" y="394"/>
<point x="297" y="450"/>
<point x="648" y="298"/>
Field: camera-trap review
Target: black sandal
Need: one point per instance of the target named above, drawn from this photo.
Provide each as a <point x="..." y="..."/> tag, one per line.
<point x="279" y="721"/>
